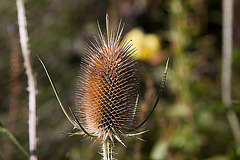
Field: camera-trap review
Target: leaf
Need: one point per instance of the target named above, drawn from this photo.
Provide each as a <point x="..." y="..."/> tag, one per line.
<point x="4" y="130"/>
<point x="159" y="150"/>
<point x="236" y="102"/>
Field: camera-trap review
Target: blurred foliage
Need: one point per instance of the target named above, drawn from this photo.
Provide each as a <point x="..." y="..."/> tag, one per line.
<point x="190" y="121"/>
<point x="5" y="131"/>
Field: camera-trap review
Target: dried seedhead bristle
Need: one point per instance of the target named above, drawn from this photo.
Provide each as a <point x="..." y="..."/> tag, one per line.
<point x="107" y="88"/>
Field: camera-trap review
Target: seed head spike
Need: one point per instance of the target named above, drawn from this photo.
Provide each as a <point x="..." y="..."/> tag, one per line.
<point x="107" y="28"/>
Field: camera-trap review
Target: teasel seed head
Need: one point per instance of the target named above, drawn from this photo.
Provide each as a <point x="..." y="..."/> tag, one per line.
<point x="107" y="89"/>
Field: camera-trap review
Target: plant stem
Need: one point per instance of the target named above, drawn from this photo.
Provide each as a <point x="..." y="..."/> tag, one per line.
<point x="107" y="149"/>
<point x="22" y="22"/>
<point x="226" y="66"/>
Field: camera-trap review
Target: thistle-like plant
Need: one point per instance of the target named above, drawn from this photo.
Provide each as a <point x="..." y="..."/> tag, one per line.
<point x="107" y="91"/>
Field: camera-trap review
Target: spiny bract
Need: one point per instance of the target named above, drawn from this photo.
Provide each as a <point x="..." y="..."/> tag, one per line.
<point x="107" y="88"/>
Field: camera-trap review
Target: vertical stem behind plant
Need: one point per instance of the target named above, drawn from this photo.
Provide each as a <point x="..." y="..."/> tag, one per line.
<point x="22" y="22"/>
<point x="16" y="88"/>
<point x="226" y="66"/>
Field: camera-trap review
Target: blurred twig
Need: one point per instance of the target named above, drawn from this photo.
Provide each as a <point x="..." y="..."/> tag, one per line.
<point x="22" y="22"/>
<point x="16" y="87"/>
<point x="226" y="66"/>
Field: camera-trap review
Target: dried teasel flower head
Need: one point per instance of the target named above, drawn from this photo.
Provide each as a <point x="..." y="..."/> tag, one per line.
<point x="107" y="91"/>
<point x="107" y="88"/>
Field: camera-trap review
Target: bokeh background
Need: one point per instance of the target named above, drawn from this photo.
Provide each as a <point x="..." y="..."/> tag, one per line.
<point x="190" y="121"/>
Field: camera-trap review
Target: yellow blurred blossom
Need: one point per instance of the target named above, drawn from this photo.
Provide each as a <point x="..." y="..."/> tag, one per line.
<point x="147" y="44"/>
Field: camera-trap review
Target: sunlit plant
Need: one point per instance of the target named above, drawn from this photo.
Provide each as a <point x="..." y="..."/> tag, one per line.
<point x="107" y="91"/>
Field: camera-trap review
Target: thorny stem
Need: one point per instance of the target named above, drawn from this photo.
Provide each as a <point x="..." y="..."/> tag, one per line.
<point x="22" y="22"/>
<point x="107" y="149"/>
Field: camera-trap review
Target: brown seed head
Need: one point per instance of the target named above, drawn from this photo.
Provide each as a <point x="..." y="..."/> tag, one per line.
<point x="107" y="88"/>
